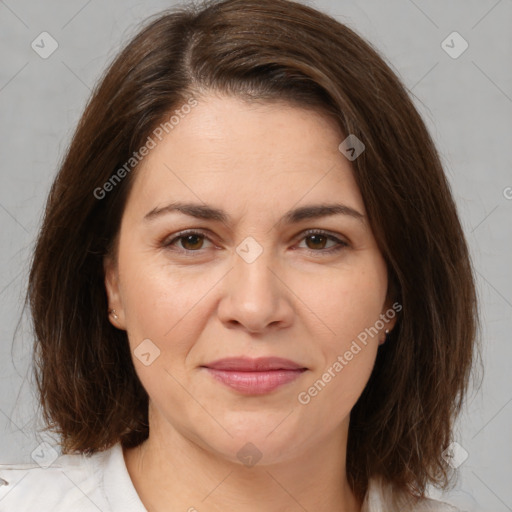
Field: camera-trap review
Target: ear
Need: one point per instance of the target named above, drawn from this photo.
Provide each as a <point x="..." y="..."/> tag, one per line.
<point x="388" y="317"/>
<point x="392" y="308"/>
<point x="113" y="293"/>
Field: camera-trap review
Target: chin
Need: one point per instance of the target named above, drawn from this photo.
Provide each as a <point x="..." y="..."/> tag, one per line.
<point x="252" y="446"/>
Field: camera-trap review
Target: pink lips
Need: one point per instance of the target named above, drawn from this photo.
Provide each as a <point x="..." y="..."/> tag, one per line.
<point x="254" y="376"/>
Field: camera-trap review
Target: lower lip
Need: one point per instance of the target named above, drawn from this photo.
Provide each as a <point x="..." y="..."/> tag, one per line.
<point x="255" y="383"/>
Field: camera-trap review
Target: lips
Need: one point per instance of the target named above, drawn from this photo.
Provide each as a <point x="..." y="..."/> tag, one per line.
<point x="254" y="376"/>
<point x="262" y="364"/>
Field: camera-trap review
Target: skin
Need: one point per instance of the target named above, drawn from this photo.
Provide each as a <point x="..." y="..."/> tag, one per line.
<point x="297" y="301"/>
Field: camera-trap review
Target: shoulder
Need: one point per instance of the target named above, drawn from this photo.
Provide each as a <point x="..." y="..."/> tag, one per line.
<point x="382" y="497"/>
<point x="73" y="482"/>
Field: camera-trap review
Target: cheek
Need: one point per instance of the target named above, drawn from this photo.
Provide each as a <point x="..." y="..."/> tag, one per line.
<point x="347" y="301"/>
<point x="349" y="305"/>
<point x="163" y="303"/>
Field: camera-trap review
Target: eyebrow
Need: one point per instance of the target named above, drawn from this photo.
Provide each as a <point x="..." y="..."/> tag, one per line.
<point x="206" y="212"/>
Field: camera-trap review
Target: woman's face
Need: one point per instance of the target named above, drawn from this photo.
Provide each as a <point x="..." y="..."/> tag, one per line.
<point x="252" y="281"/>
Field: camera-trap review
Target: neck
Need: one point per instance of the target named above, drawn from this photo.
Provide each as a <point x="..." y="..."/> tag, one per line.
<point x="172" y="472"/>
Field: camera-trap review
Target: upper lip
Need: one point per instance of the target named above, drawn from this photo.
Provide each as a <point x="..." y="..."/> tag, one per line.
<point x="260" y="364"/>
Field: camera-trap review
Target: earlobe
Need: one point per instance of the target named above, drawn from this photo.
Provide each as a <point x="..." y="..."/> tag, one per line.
<point x="389" y="317"/>
<point x="383" y="340"/>
<point x="115" y="309"/>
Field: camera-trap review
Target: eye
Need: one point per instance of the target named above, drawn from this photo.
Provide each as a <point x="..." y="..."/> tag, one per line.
<point x="316" y="241"/>
<point x="190" y="241"/>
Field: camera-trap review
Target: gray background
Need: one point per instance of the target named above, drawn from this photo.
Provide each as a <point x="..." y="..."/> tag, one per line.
<point x="466" y="102"/>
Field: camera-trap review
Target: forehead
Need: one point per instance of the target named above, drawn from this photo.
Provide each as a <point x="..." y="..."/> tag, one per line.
<point x="226" y="149"/>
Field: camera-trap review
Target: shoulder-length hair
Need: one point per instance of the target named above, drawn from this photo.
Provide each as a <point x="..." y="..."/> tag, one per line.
<point x="260" y="50"/>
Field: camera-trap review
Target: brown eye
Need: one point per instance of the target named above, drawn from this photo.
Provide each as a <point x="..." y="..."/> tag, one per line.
<point x="186" y="242"/>
<point x="317" y="241"/>
<point x="191" y="242"/>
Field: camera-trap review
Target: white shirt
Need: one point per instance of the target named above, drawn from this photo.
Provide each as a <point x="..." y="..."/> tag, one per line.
<point x="100" y="482"/>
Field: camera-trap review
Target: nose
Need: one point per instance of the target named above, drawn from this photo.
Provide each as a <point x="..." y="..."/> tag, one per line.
<point x="255" y="296"/>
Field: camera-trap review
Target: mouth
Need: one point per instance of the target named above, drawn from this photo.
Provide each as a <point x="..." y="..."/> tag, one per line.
<point x="254" y="376"/>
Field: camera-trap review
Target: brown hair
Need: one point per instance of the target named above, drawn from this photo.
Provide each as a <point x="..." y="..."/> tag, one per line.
<point x="261" y="50"/>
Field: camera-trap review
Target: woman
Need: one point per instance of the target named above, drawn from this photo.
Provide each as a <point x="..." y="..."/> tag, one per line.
<point x="251" y="289"/>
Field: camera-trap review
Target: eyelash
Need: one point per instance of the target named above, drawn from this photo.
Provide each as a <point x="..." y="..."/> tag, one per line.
<point x="166" y="244"/>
